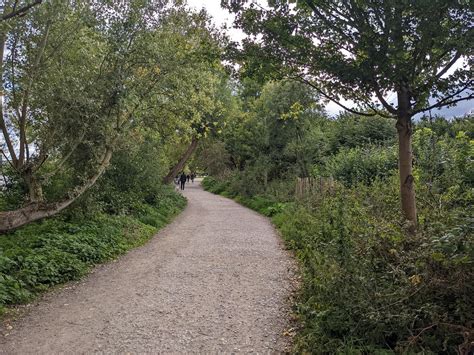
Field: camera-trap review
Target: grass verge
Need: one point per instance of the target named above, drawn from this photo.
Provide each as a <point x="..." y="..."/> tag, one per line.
<point x="41" y="255"/>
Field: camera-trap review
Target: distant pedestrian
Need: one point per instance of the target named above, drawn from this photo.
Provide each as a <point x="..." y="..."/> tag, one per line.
<point x="188" y="177"/>
<point x="182" y="180"/>
<point x="192" y="177"/>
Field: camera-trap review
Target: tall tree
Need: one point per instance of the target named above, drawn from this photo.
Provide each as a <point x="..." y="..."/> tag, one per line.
<point x="76" y="78"/>
<point x="366" y="51"/>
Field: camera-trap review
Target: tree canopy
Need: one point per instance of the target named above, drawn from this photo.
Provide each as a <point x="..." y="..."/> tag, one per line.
<point x="366" y="51"/>
<point x="79" y="77"/>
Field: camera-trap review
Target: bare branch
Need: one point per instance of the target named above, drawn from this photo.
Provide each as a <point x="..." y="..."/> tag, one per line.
<point x="445" y="102"/>
<point x="367" y="114"/>
<point x="449" y="65"/>
<point x="21" y="11"/>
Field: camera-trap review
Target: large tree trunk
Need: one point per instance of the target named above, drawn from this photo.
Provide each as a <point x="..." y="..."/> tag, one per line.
<point x="180" y="165"/>
<point x="35" y="190"/>
<point x="405" y="156"/>
<point x="37" y="210"/>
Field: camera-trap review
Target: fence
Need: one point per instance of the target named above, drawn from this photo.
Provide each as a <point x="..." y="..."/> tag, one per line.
<point x="310" y="186"/>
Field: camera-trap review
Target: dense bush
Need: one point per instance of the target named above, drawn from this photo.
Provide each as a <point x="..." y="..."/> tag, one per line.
<point x="350" y="131"/>
<point x="368" y="286"/>
<point x="444" y="162"/>
<point x="355" y="165"/>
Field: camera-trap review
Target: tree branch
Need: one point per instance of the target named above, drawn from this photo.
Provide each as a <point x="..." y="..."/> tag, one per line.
<point x="62" y="161"/>
<point x="24" y="108"/>
<point x="443" y="103"/>
<point x="8" y="160"/>
<point x="21" y="11"/>
<point x="3" y="125"/>
<point x="10" y="220"/>
<point x="385" y="104"/>
<point x="449" y="65"/>
<point x="334" y="100"/>
<point x="328" y="23"/>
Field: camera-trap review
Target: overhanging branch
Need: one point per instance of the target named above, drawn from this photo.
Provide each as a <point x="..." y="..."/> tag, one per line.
<point x="445" y="102"/>
<point x="21" y="11"/>
<point x="367" y="114"/>
<point x="448" y="66"/>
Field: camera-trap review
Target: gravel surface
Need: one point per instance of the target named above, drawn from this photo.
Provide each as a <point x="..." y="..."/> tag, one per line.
<point x="215" y="280"/>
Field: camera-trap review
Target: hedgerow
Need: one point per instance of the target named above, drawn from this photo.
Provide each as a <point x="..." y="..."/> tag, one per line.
<point x="368" y="286"/>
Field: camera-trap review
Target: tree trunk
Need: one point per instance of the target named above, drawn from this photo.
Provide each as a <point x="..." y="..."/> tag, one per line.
<point x="405" y="156"/>
<point x="180" y="165"/>
<point x="34" y="211"/>
<point x="35" y="190"/>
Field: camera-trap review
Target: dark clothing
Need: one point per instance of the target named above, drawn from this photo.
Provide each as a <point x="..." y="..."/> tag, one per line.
<point x="188" y="177"/>
<point x="182" y="180"/>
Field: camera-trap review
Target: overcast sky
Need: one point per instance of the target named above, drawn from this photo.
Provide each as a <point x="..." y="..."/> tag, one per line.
<point x="222" y="17"/>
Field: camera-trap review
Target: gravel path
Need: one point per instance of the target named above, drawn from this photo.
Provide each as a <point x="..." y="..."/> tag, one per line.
<point x="215" y="280"/>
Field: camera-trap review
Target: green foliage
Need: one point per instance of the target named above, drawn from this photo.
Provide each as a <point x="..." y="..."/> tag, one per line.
<point x="350" y="131"/>
<point x="212" y="157"/>
<point x="338" y="50"/>
<point x="55" y="251"/>
<point x="274" y="130"/>
<point x="355" y="165"/>
<point x="214" y="186"/>
<point x="88" y="79"/>
<point x="264" y="204"/>
<point x="367" y="285"/>
<point x="443" y="162"/>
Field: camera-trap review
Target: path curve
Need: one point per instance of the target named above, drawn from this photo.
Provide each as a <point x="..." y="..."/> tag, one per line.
<point x="215" y="280"/>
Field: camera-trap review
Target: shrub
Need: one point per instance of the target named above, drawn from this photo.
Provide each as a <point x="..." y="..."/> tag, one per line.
<point x="355" y="165"/>
<point x="55" y="251"/>
<point x="367" y="286"/>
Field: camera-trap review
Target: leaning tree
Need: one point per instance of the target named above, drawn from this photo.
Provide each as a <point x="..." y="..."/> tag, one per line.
<point x="76" y="77"/>
<point x="392" y="58"/>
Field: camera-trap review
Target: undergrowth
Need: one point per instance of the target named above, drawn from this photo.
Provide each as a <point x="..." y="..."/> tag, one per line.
<point x="57" y="250"/>
<point x="368" y="287"/>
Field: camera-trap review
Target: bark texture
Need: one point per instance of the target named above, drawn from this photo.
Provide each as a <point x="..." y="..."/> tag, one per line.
<point x="35" y="190"/>
<point x="407" y="185"/>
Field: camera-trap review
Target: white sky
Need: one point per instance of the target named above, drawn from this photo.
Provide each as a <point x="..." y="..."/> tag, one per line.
<point x="222" y="16"/>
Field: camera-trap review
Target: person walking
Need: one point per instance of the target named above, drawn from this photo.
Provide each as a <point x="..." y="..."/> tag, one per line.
<point x="182" y="180"/>
<point x="192" y="177"/>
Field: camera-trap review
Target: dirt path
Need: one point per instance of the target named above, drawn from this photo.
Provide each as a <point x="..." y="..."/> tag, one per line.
<point x="215" y="280"/>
